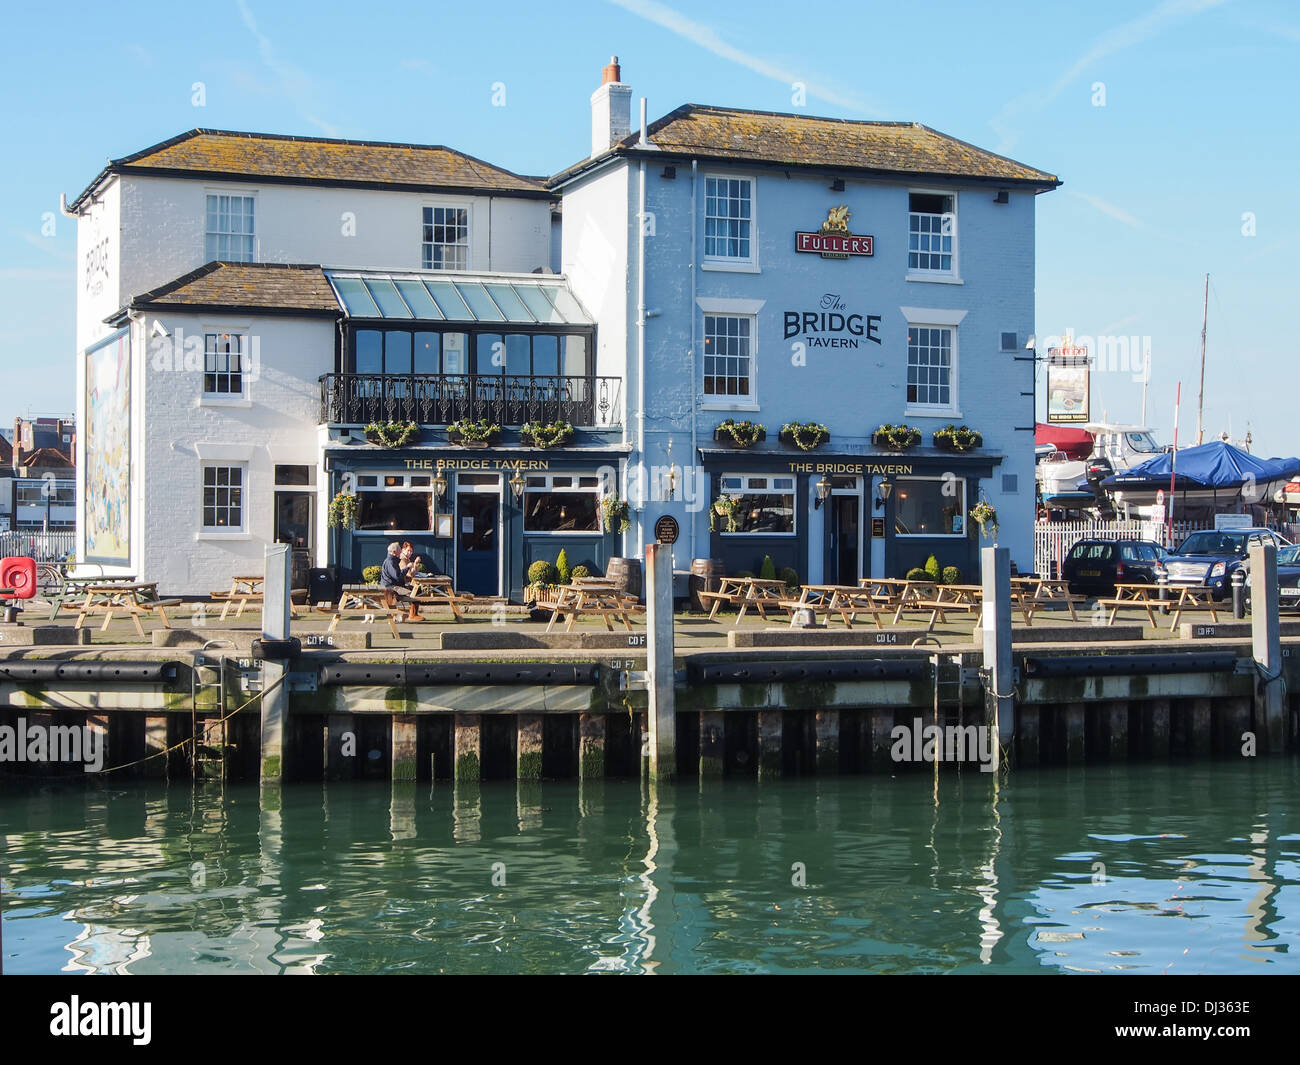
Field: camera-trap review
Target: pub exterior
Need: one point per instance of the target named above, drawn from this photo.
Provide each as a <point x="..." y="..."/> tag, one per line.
<point x="270" y="324"/>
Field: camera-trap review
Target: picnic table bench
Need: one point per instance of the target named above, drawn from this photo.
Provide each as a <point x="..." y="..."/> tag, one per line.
<point x="243" y="591"/>
<point x="846" y="600"/>
<point x="601" y="600"/>
<point x="437" y="590"/>
<point x="73" y="587"/>
<point x="744" y="592"/>
<point x="1191" y="597"/>
<point x="122" y="597"/>
<point x="1041" y="589"/>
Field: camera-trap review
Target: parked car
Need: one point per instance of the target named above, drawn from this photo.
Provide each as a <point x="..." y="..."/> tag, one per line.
<point x="1288" y="579"/>
<point x="1212" y="556"/>
<point x="1094" y="566"/>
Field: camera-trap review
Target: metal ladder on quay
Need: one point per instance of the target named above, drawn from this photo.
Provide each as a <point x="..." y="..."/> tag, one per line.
<point x="207" y="696"/>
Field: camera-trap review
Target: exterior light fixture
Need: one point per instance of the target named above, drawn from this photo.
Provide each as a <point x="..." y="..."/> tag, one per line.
<point x="1002" y="197"/>
<point x="837" y="185"/>
<point x="883" y="490"/>
<point x="517" y="487"/>
<point x="439" y="483"/>
<point x="672" y="480"/>
<point x="823" y="492"/>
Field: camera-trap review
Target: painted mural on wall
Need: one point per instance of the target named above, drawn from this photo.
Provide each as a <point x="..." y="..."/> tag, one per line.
<point x="107" y="454"/>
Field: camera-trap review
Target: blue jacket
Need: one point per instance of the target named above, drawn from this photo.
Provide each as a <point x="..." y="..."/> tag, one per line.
<point x="390" y="573"/>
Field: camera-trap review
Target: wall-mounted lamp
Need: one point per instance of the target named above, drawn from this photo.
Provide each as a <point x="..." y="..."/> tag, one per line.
<point x="837" y="185"/>
<point x="517" y="487"/>
<point x="883" y="490"/>
<point x="1002" y="197"/>
<point x="823" y="492"/>
<point x="670" y="480"/>
<point x="439" y="483"/>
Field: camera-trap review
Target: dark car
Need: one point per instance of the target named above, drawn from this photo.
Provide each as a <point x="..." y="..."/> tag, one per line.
<point x="1212" y="556"/>
<point x="1288" y="579"/>
<point x="1094" y="566"/>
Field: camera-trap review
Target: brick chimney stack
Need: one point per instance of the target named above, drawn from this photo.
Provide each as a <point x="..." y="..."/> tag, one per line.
<point x="611" y="109"/>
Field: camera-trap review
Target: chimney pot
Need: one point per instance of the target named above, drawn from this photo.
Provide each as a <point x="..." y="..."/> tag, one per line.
<point x="611" y="72"/>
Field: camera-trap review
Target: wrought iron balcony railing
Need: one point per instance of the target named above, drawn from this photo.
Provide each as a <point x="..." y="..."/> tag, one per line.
<point x="439" y="399"/>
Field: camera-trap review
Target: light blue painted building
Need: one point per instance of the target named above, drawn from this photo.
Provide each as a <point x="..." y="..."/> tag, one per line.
<point x="779" y="269"/>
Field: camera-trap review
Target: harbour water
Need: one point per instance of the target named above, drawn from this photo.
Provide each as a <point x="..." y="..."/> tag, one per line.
<point x="1143" y="868"/>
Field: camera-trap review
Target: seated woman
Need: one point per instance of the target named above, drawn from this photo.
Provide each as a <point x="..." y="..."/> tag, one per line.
<point x="393" y="577"/>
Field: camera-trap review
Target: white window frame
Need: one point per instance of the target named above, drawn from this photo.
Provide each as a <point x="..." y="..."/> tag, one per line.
<point x="242" y="398"/>
<point x="965" y="517"/>
<point x="403" y="484"/>
<point x="469" y="236"/>
<point x="224" y="531"/>
<point x="935" y="318"/>
<point x="208" y="234"/>
<point x="946" y="277"/>
<point x="549" y="486"/>
<point x="745" y="490"/>
<point x="735" y="264"/>
<point x="731" y="308"/>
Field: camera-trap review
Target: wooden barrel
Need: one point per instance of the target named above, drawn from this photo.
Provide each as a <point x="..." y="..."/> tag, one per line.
<point x="625" y="574"/>
<point x="705" y="573"/>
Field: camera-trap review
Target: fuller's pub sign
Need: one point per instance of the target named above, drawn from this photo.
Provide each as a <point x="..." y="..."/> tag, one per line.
<point x="833" y="240"/>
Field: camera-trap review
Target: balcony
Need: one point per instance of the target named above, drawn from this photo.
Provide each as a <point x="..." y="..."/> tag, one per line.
<point x="440" y="399"/>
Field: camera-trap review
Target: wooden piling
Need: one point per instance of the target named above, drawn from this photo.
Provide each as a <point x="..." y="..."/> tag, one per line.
<point x="469" y="748"/>
<point x="1075" y="744"/>
<point x="403" y="748"/>
<point x="591" y="746"/>
<point x="1115" y="718"/>
<point x="1236" y="723"/>
<point x="341" y="743"/>
<point x="882" y="724"/>
<point x="528" y="747"/>
<point x="1027" y="736"/>
<point x="770" y="731"/>
<point x="828" y="742"/>
<point x="156" y="735"/>
<point x="1155" y="734"/>
<point x="1202" y="739"/>
<point x="712" y="743"/>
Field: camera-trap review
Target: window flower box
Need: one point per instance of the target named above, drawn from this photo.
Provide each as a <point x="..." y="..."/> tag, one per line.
<point x="392" y="434"/>
<point x="896" y="437"/>
<point x="805" y="436"/>
<point x="546" y="434"/>
<point x="739" y="434"/>
<point x="474" y="434"/>
<point x="957" y="438"/>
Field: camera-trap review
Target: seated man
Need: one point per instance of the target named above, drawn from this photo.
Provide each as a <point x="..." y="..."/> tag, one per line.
<point x="392" y="579"/>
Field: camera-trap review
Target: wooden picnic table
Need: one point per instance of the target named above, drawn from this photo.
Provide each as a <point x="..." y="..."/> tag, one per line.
<point x="846" y="600"/>
<point x="1147" y="597"/>
<point x="435" y="589"/>
<point x="119" y="596"/>
<point x="1043" y="589"/>
<point x="246" y="589"/>
<point x="367" y="600"/>
<point x="760" y="593"/>
<point x="74" y="587"/>
<point x="574" y="600"/>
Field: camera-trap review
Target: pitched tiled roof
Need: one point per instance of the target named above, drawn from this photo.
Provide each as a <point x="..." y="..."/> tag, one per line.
<point x="45" y="458"/>
<point x="904" y="148"/>
<point x="271" y="287"/>
<point x="319" y="161"/>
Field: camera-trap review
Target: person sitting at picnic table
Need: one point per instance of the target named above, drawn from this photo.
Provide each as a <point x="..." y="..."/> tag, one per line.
<point x="410" y="562"/>
<point x="392" y="578"/>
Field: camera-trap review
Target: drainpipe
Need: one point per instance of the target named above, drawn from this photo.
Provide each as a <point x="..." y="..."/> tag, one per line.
<point x="696" y="377"/>
<point x="640" y="331"/>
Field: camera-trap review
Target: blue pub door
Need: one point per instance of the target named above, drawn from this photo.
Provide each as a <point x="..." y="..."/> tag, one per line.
<point x="478" y="537"/>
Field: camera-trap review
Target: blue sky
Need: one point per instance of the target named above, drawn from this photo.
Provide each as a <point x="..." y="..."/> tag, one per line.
<point x="1197" y="130"/>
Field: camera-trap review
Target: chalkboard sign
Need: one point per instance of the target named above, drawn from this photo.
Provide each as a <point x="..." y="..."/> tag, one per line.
<point x="666" y="530"/>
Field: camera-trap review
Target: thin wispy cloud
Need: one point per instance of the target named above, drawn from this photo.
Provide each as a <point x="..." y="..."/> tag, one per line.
<point x="48" y="245"/>
<point x="20" y="273"/>
<point x="708" y="39"/>
<point x="1112" y="41"/>
<point x="296" y="84"/>
<point x="1108" y="209"/>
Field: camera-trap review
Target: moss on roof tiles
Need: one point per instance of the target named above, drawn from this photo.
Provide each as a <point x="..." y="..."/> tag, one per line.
<point x="805" y="140"/>
<point x="308" y="159"/>
<point x="266" y="286"/>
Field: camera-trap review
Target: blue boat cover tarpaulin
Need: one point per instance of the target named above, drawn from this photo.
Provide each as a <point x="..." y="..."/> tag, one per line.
<point x="1213" y="465"/>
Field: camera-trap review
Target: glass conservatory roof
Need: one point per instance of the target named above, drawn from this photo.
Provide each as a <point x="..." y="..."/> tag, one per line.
<point x="515" y="299"/>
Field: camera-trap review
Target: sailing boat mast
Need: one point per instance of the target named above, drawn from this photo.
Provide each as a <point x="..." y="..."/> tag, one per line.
<point x="1200" y="401"/>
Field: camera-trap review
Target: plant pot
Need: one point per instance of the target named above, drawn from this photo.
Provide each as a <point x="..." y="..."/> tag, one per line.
<point x="877" y="440"/>
<point x="947" y="443"/>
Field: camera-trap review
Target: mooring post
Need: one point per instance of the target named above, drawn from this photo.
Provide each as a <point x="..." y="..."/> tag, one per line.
<point x="591" y="746"/>
<point x="1266" y="643"/>
<point x="275" y="698"/>
<point x="771" y="724"/>
<point x="995" y="574"/>
<point x="662" y="698"/>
